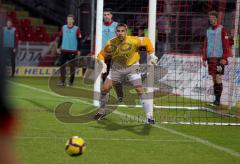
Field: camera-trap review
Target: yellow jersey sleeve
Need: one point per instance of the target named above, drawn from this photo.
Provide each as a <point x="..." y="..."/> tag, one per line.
<point x="146" y="42"/>
<point x="102" y="53"/>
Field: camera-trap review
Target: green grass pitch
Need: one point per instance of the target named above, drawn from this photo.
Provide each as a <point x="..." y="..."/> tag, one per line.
<point x="119" y="139"/>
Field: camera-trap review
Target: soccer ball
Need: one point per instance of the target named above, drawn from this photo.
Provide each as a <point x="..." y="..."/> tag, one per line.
<point x="75" y="146"/>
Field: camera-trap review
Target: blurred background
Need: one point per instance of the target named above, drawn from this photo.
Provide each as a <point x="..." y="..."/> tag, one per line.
<point x="181" y="24"/>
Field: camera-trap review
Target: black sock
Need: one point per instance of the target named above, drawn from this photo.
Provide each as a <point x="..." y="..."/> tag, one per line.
<point x="218" y="91"/>
<point x="72" y="79"/>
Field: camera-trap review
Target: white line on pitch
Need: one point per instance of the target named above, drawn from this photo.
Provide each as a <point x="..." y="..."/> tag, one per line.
<point x="155" y="107"/>
<point x="172" y="131"/>
<point x="104" y="139"/>
<point x="38" y="98"/>
<point x="49" y="93"/>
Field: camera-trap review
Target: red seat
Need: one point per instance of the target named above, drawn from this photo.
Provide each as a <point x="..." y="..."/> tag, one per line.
<point x="34" y="37"/>
<point x="22" y="36"/>
<point x="30" y="36"/>
<point x="47" y="38"/>
<point x="53" y="37"/>
<point x="12" y="14"/>
<point x="25" y="22"/>
<point x="41" y="36"/>
<point x="41" y="29"/>
<point x="16" y="22"/>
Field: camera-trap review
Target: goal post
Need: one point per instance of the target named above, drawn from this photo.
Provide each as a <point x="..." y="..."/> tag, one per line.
<point x="98" y="46"/>
<point x="152" y="14"/>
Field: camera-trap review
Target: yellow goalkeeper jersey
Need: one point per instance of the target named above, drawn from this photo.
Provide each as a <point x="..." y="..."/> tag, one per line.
<point x="125" y="53"/>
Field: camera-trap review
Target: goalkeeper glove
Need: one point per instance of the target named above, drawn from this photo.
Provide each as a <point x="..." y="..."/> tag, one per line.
<point x="153" y="59"/>
<point x="104" y="66"/>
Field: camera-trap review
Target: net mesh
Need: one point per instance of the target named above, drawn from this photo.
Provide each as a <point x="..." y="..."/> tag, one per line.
<point x="182" y="87"/>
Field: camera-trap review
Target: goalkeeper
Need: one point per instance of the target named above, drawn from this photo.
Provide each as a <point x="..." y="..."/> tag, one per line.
<point x="125" y="63"/>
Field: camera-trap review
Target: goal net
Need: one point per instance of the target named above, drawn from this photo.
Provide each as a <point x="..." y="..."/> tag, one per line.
<point x="182" y="87"/>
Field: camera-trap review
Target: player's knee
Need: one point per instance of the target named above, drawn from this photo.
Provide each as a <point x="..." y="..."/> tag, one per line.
<point x="214" y="78"/>
<point x="218" y="79"/>
<point x="139" y="90"/>
<point x="106" y="87"/>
